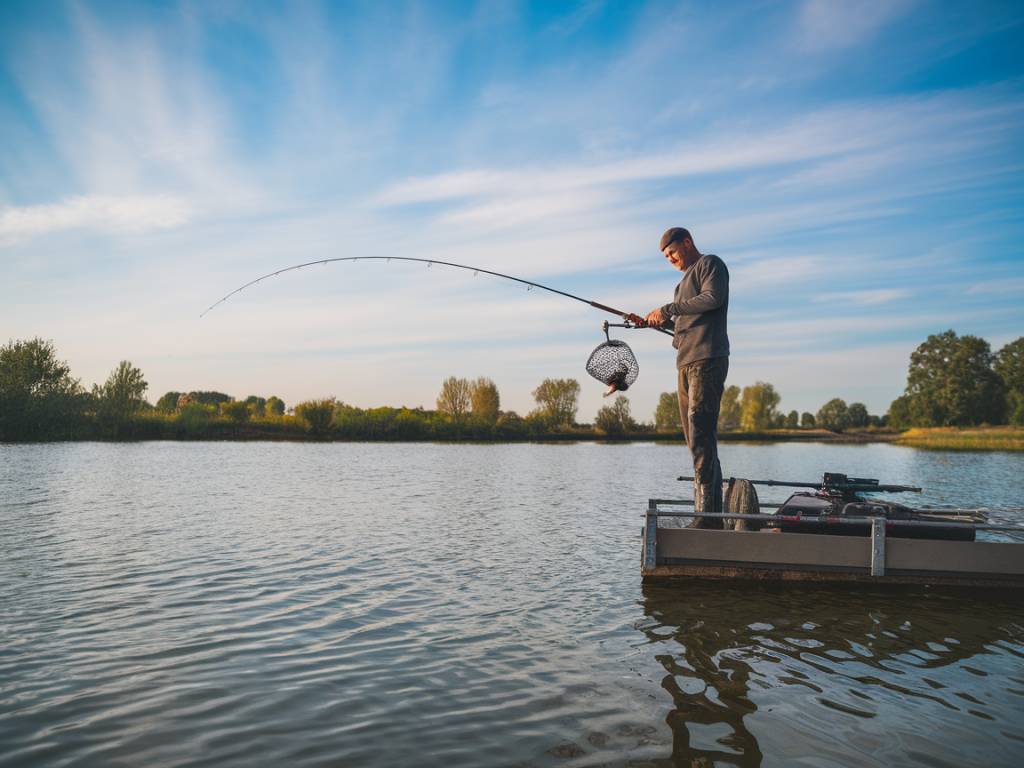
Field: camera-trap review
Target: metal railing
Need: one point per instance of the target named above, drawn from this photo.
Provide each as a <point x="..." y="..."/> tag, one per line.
<point x="879" y="525"/>
<point x="652" y="508"/>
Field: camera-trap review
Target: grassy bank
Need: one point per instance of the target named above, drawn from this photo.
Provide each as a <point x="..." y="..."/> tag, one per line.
<point x="966" y="439"/>
<point x="811" y="435"/>
<point x="387" y="424"/>
<point x="383" y="425"/>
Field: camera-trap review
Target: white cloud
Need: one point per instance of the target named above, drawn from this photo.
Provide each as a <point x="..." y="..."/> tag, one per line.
<point x="516" y="211"/>
<point x="101" y="212"/>
<point x="856" y="140"/>
<point x="134" y="120"/>
<point x="866" y="298"/>
<point x="814" y="136"/>
<point x="444" y="186"/>
<point x="998" y="287"/>
<point x="835" y="24"/>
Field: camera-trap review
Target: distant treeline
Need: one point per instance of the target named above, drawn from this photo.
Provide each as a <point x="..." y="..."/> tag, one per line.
<point x="41" y="400"/>
<point x="755" y="408"/>
<point x="952" y="381"/>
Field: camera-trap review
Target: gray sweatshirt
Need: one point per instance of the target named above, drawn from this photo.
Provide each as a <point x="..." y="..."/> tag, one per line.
<point x="699" y="311"/>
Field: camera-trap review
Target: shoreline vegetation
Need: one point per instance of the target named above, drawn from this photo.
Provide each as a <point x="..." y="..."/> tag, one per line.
<point x="402" y="425"/>
<point x="959" y="396"/>
<point x="967" y="439"/>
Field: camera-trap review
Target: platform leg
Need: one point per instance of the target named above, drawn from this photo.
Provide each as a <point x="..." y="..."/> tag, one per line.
<point x="650" y="539"/>
<point x="878" y="546"/>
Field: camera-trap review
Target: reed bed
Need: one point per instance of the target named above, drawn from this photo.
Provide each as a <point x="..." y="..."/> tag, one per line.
<point x="965" y="439"/>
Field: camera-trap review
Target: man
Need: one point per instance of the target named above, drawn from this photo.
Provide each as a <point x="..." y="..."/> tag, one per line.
<point x="697" y="316"/>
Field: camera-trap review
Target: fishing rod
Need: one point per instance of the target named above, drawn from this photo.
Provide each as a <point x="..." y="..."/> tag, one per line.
<point x="628" y="316"/>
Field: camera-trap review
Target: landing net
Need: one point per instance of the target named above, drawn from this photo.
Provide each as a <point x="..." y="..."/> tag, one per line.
<point x="613" y="363"/>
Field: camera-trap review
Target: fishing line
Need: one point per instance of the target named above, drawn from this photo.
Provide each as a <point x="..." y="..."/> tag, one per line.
<point x="430" y="262"/>
<point x="611" y="363"/>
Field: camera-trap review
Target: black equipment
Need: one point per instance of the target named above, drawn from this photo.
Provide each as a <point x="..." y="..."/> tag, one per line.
<point x="839" y="496"/>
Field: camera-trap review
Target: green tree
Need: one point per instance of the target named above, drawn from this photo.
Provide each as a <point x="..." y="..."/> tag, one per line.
<point x="793" y="420"/>
<point x="1015" y="408"/>
<point x="257" y="405"/>
<point x="858" y="415"/>
<point x="666" y="415"/>
<point x="484" y="400"/>
<point x="834" y="415"/>
<point x="951" y="383"/>
<point x="1009" y="366"/>
<point x="557" y="401"/>
<point x="168" y="402"/>
<point x="193" y="420"/>
<point x="730" y="414"/>
<point x="757" y="408"/>
<point x="511" y="424"/>
<point x="899" y="415"/>
<point x="38" y="397"/>
<point x="210" y="398"/>
<point x="237" y="411"/>
<point x="454" y="400"/>
<point x="318" y="414"/>
<point x="807" y="420"/>
<point x="615" y="419"/>
<point x="275" y="406"/>
<point x="121" y="396"/>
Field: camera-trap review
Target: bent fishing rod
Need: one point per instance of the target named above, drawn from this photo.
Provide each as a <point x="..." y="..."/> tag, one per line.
<point x="630" y="318"/>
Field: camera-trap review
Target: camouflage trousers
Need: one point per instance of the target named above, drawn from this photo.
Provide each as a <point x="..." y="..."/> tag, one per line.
<point x="700" y="396"/>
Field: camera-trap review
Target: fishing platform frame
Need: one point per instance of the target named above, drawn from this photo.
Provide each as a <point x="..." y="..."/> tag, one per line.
<point x="767" y="555"/>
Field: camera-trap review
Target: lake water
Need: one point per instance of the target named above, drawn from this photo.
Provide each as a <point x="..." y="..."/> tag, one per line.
<point x="240" y="604"/>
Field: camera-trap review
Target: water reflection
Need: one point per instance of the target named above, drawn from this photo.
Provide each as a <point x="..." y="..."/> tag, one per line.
<point x="743" y="659"/>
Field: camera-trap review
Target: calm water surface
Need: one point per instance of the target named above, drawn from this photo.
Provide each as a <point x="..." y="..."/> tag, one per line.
<point x="230" y="604"/>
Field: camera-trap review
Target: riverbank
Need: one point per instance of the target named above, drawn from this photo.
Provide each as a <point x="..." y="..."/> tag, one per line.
<point x="964" y="439"/>
<point x="386" y="427"/>
<point x="155" y="426"/>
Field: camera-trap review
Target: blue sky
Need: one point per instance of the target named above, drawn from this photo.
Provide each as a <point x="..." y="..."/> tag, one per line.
<point x="858" y="165"/>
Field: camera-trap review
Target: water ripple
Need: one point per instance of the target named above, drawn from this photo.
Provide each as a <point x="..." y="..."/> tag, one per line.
<point x="311" y="605"/>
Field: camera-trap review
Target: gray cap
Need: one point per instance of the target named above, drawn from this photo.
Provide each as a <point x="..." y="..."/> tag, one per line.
<point x="674" y="235"/>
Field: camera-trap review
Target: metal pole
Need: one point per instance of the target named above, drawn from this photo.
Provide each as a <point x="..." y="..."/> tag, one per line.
<point x="650" y="537"/>
<point x="878" y="547"/>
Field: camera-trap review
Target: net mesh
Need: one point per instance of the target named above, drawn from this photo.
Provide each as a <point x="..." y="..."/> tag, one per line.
<point x="613" y="363"/>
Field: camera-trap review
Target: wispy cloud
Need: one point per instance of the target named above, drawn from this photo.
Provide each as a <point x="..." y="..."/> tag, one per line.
<point x="136" y="122"/>
<point x="832" y="146"/>
<point x="837" y="24"/>
<point x="1009" y="286"/>
<point x="94" y="212"/>
<point x="864" y="298"/>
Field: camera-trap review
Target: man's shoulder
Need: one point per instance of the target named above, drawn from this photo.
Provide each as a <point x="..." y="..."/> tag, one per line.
<point x="711" y="262"/>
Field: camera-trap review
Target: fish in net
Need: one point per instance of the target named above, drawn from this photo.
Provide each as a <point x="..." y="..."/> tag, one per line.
<point x="612" y="363"/>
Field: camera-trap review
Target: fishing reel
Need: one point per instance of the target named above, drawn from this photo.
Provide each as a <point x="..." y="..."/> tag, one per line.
<point x="612" y="362"/>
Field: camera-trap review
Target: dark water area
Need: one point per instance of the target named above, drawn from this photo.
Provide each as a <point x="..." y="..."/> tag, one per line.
<point x="227" y="604"/>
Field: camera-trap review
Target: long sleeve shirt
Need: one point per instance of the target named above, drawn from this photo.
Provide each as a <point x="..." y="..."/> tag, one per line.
<point x="698" y="310"/>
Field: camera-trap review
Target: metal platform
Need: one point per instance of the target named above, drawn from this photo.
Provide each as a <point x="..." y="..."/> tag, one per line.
<point x="771" y="555"/>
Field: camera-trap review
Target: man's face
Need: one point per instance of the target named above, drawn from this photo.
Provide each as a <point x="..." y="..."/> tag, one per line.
<point x="675" y="253"/>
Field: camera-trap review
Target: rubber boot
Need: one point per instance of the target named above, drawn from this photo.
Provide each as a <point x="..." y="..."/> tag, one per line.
<point x="705" y="500"/>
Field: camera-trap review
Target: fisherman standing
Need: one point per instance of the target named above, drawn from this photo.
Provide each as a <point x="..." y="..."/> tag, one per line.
<point x="697" y="317"/>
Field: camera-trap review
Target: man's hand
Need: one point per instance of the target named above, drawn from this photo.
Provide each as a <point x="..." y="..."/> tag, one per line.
<point x="655" y="318"/>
